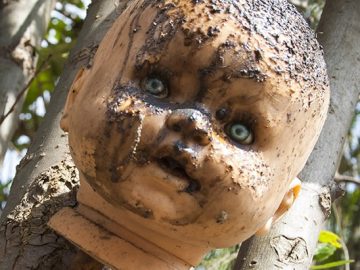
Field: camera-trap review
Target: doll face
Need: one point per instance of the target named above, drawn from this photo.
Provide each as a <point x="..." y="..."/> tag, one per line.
<point x="192" y="135"/>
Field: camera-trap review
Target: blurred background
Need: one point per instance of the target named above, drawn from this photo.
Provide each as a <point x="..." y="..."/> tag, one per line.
<point x="340" y="241"/>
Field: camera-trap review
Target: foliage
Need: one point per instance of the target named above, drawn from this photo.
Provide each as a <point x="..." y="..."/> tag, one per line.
<point x="323" y="251"/>
<point x="63" y="30"/>
<point x="4" y="192"/>
<point x="311" y="10"/>
<point x="64" y="26"/>
<point x="219" y="259"/>
<point x="329" y="242"/>
<point x="330" y="238"/>
<point x="332" y="264"/>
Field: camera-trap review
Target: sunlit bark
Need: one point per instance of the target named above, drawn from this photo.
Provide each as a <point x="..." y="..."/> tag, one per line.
<point x="46" y="179"/>
<point x="22" y="26"/>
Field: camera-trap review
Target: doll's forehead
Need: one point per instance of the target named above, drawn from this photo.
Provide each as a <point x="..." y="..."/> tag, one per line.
<point x="253" y="25"/>
<point x="231" y="44"/>
<point x="224" y="67"/>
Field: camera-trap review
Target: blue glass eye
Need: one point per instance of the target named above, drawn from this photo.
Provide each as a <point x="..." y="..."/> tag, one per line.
<point x="240" y="133"/>
<point x="156" y="87"/>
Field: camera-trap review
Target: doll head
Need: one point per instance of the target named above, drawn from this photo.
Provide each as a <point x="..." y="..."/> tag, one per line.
<point x="197" y="115"/>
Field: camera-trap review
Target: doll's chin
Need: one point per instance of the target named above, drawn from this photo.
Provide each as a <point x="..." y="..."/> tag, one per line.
<point x="163" y="203"/>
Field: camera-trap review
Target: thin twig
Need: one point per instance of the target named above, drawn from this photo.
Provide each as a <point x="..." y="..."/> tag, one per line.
<point x="346" y="178"/>
<point x="341" y="233"/>
<point x="22" y="92"/>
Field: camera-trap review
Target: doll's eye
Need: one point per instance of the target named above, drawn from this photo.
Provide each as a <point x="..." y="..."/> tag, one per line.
<point x="240" y="133"/>
<point x="156" y="87"/>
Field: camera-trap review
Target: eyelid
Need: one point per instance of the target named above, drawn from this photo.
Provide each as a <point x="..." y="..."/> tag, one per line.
<point x="155" y="71"/>
<point x="247" y="118"/>
<point x="240" y="116"/>
<point x="161" y="74"/>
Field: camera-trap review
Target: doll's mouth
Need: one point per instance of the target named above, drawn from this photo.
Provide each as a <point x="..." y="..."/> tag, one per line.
<point x="174" y="167"/>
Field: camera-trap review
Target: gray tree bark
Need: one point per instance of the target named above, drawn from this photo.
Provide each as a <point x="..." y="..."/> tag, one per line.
<point x="46" y="179"/>
<point x="22" y="26"/>
<point x="291" y="243"/>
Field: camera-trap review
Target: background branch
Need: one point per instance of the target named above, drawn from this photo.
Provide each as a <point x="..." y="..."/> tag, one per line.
<point x="347" y="179"/>
<point x="23" y="90"/>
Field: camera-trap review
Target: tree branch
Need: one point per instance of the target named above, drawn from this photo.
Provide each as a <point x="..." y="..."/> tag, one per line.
<point x="345" y="178"/>
<point x="23" y="90"/>
<point x="26" y="242"/>
<point x="343" y="244"/>
<point x="22" y="25"/>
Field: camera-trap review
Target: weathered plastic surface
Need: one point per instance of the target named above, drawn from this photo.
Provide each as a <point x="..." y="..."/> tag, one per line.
<point x="194" y="119"/>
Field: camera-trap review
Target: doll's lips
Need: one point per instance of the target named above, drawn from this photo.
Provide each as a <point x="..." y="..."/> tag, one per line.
<point x="174" y="167"/>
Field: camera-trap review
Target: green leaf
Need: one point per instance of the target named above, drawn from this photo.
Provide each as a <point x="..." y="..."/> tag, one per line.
<point x="323" y="251"/>
<point x="331" y="265"/>
<point x="330" y="238"/>
<point x="219" y="259"/>
<point x="3" y="192"/>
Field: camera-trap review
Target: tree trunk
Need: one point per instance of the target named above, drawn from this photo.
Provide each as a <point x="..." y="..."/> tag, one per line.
<point x="46" y="179"/>
<point x="22" y="26"/>
<point x="291" y="243"/>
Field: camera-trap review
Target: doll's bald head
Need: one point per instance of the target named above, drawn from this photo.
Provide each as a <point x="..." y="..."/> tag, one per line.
<point x="197" y="115"/>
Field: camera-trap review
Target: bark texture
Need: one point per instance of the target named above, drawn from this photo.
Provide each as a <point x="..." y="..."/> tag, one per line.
<point x="291" y="242"/>
<point x="22" y="26"/>
<point x="46" y="179"/>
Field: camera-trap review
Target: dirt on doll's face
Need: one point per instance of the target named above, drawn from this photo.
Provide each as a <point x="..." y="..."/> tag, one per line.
<point x="197" y="133"/>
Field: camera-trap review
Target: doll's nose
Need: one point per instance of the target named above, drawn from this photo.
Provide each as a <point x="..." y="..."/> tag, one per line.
<point x="191" y="123"/>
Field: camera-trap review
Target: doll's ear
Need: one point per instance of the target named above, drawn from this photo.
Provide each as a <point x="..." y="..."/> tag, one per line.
<point x="73" y="91"/>
<point x="286" y="203"/>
